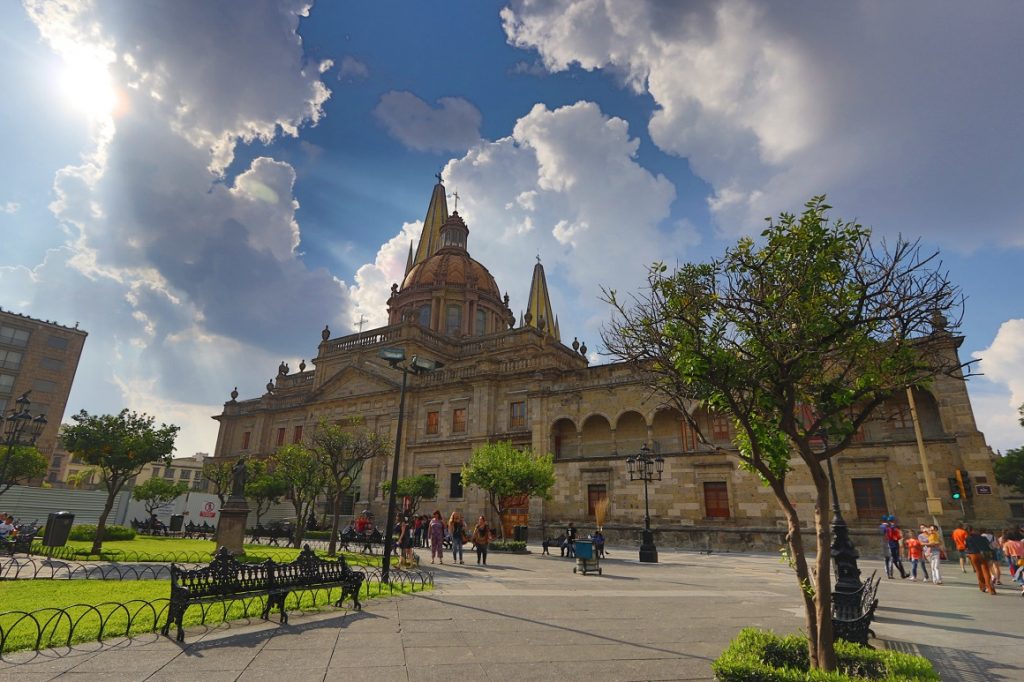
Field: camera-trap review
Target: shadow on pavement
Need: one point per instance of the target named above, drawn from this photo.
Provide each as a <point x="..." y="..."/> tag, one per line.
<point x="954" y="665"/>
<point x="943" y="626"/>
<point x="248" y="639"/>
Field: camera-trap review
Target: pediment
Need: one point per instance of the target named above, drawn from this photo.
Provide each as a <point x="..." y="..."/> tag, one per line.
<point x="354" y="381"/>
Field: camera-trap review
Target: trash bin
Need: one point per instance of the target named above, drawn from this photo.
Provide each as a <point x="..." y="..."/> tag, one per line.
<point x="177" y="521"/>
<point x="521" y="533"/>
<point x="58" y="527"/>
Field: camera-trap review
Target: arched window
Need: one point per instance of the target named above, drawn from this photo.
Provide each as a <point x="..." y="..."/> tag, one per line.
<point x="425" y="315"/>
<point x="481" y="323"/>
<point x="453" y="319"/>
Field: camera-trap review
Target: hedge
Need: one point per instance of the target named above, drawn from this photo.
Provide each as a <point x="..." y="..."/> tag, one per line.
<point x="508" y="546"/>
<point x="760" y="656"/>
<point x="87" y="532"/>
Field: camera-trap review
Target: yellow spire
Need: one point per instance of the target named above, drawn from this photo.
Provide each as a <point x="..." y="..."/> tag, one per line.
<point x="437" y="213"/>
<point x="539" y="313"/>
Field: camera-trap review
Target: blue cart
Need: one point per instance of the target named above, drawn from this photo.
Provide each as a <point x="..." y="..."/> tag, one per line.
<point x="586" y="558"/>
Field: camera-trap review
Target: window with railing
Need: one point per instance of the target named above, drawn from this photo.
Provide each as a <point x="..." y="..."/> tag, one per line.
<point x="517" y="415"/>
<point x="185" y="475"/>
<point x="720" y="427"/>
<point x="168" y="472"/>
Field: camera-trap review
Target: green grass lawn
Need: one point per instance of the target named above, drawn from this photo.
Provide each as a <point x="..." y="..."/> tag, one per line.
<point x="88" y="607"/>
<point x="149" y="548"/>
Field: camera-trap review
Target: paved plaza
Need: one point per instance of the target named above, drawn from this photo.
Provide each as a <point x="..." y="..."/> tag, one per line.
<point x="528" y="617"/>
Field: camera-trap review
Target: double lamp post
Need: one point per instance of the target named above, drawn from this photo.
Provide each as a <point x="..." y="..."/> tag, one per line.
<point x="417" y="365"/>
<point x="20" y="429"/>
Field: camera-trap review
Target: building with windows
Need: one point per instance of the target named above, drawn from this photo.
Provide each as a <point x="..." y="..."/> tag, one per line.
<point x="517" y="380"/>
<point x="41" y="357"/>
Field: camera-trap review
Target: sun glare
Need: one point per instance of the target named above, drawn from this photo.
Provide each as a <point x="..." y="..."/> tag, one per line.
<point x="87" y="86"/>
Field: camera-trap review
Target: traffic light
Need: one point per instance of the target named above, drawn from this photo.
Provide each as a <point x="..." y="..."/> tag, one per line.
<point x="954" y="488"/>
<point x="965" y="479"/>
<point x="960" y="476"/>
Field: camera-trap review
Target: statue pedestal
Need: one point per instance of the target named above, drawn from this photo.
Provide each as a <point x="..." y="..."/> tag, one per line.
<point x="231" y="528"/>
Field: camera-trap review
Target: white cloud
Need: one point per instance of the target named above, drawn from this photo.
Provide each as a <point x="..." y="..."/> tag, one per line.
<point x="9" y="207"/>
<point x="1002" y="387"/>
<point x="372" y="289"/>
<point x="771" y="104"/>
<point x="172" y="266"/>
<point x="352" y="69"/>
<point x="453" y="126"/>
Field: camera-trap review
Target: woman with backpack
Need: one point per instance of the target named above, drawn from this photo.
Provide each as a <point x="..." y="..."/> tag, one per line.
<point x="481" y="538"/>
<point x="459" y="535"/>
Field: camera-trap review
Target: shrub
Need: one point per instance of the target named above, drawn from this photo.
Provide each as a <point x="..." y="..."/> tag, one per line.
<point x="759" y="656"/>
<point x="317" y="535"/>
<point x="508" y="546"/>
<point x="87" y="532"/>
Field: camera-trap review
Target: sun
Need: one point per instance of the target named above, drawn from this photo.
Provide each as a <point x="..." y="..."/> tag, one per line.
<point x="86" y="84"/>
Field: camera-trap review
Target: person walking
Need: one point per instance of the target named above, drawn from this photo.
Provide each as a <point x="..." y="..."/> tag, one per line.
<point x="435" y="533"/>
<point x="922" y="537"/>
<point x="481" y="538"/>
<point x="979" y="553"/>
<point x="960" y="542"/>
<point x="894" y="537"/>
<point x="1013" y="549"/>
<point x="457" y="530"/>
<point x="934" y="549"/>
<point x="883" y="528"/>
<point x="995" y="556"/>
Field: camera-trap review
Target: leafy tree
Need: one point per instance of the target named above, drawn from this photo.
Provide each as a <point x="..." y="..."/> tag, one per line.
<point x="118" y="446"/>
<point x="81" y="478"/>
<point x="156" y="492"/>
<point x="24" y="464"/>
<point x="264" y="487"/>
<point x="503" y="471"/>
<point x="341" y="450"/>
<point x="1010" y="469"/>
<point x="810" y="329"/>
<point x="218" y="473"/>
<point x="416" y="488"/>
<point x="303" y="475"/>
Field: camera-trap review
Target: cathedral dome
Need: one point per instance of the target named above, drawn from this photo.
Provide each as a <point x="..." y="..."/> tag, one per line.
<point x="451" y="268"/>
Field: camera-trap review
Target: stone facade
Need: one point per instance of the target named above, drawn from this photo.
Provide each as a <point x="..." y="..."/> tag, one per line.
<point x="522" y="384"/>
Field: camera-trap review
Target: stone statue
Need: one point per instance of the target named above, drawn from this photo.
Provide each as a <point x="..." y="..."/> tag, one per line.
<point x="238" y="478"/>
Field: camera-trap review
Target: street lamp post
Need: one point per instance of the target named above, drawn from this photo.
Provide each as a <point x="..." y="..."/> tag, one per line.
<point x="417" y="365"/>
<point x="20" y="428"/>
<point x="643" y="467"/>
<point x="844" y="554"/>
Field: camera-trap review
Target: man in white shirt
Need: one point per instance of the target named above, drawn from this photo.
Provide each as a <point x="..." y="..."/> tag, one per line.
<point x="6" y="525"/>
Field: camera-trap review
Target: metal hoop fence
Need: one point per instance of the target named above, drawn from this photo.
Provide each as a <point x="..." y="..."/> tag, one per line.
<point x="67" y="625"/>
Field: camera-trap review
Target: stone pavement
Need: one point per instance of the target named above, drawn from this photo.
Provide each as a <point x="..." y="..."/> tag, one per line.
<point x="529" y="617"/>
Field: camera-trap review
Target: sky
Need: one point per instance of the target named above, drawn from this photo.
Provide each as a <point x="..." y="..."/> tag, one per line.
<point x="203" y="186"/>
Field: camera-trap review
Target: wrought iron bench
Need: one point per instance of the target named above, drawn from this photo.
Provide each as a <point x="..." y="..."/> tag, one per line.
<point x="853" y="613"/>
<point x="364" y="541"/>
<point x="225" y="579"/>
<point x="274" y="533"/>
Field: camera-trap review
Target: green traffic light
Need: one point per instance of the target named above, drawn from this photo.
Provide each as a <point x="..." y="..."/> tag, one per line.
<point x="956" y="496"/>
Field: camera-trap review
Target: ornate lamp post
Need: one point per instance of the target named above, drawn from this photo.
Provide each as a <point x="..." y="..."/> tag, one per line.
<point x="844" y="554"/>
<point x="417" y="365"/>
<point x="643" y="467"/>
<point x="20" y="428"/>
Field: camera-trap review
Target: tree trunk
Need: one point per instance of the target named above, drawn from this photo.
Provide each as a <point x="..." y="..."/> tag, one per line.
<point x="101" y="525"/>
<point x="332" y="548"/>
<point x="300" y="523"/>
<point x="799" y="557"/>
<point x="823" y="567"/>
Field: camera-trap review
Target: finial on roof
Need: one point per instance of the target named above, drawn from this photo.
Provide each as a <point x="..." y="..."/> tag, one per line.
<point x="438" y="176"/>
<point x="326" y="333"/>
<point x="234" y="394"/>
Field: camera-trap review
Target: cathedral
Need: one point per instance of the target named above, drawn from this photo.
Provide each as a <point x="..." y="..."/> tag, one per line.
<point x="518" y="380"/>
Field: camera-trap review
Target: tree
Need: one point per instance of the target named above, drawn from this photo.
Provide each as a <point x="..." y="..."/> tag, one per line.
<point x="503" y="471"/>
<point x="808" y="331"/>
<point x="300" y="469"/>
<point x="218" y="473"/>
<point x="341" y="450"/>
<point x="118" y="446"/>
<point x="1010" y="469"/>
<point x="416" y="488"/>
<point x="264" y="487"/>
<point x="25" y="463"/>
<point x="156" y="492"/>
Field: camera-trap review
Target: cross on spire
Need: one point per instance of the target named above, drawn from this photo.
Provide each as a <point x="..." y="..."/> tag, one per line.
<point x="438" y="176"/>
<point x="362" y="321"/>
<point x="455" y="195"/>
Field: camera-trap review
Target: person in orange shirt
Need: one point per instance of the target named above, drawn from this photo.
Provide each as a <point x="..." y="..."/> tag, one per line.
<point x="915" y="552"/>
<point x="960" y="540"/>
